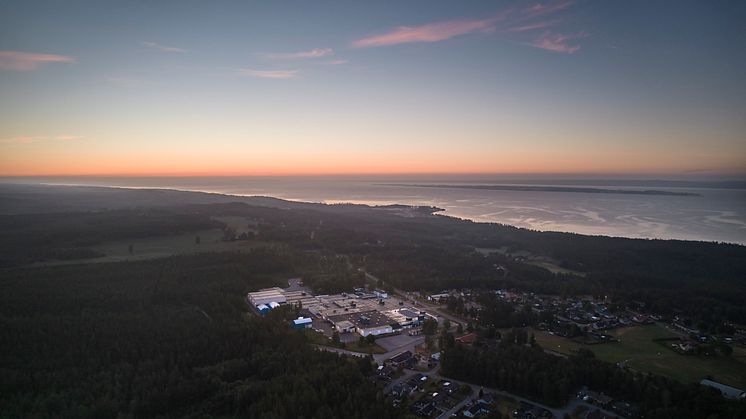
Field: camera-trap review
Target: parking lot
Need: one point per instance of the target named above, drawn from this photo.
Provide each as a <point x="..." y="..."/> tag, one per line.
<point x="391" y="343"/>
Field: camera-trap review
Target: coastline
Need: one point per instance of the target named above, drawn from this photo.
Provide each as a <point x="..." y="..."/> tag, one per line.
<point x="211" y="196"/>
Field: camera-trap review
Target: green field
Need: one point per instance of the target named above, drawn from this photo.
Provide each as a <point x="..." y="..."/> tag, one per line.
<point x="541" y="261"/>
<point x="163" y="246"/>
<point x="637" y="350"/>
<point x="237" y="223"/>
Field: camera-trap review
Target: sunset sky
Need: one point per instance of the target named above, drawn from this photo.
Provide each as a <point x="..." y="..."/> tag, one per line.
<point x="274" y="88"/>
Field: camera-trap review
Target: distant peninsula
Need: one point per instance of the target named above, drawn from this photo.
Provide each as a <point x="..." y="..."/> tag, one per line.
<point x="527" y="188"/>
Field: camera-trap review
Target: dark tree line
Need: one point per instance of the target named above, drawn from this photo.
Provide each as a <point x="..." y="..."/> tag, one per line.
<point x="166" y="338"/>
<point x="528" y="371"/>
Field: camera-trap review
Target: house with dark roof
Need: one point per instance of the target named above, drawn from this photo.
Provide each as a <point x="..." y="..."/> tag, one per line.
<point x="402" y="360"/>
<point x="476" y="410"/>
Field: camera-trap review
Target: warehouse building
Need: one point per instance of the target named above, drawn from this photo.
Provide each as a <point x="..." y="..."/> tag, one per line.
<point x="366" y="323"/>
<point x="302" y="323"/>
<point x="267" y="296"/>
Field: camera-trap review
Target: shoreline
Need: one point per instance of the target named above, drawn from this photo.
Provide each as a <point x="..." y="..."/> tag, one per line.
<point x="435" y="210"/>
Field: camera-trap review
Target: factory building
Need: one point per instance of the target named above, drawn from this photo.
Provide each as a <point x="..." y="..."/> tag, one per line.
<point x="366" y="323"/>
<point x="302" y="323"/>
<point x="267" y="296"/>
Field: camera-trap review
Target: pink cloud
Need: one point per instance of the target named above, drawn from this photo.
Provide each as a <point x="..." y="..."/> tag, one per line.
<point x="431" y="32"/>
<point x="540" y="16"/>
<point x="164" y="48"/>
<point x="532" y="26"/>
<point x="28" y="61"/>
<point x="543" y="9"/>
<point x="557" y="42"/>
<point x="269" y="74"/>
<point x="314" y="53"/>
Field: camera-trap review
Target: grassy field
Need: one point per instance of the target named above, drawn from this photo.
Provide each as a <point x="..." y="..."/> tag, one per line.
<point x="531" y="259"/>
<point x="553" y="268"/>
<point x="637" y="350"/>
<point x="155" y="247"/>
<point x="210" y="240"/>
<point x="237" y="223"/>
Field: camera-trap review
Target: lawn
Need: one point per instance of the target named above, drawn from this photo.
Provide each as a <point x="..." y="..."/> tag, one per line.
<point x="237" y="223"/>
<point x="154" y="247"/>
<point x="637" y="350"/>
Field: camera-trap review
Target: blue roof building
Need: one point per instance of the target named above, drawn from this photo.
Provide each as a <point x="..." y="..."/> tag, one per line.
<point x="302" y="323"/>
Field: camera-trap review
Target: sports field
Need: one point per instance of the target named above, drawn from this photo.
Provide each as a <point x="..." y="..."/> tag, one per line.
<point x="637" y="350"/>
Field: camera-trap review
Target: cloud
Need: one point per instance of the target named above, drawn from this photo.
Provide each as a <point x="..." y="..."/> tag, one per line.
<point x="28" y="61"/>
<point x="27" y="139"/>
<point x="517" y="21"/>
<point x="532" y="26"/>
<point x="269" y="74"/>
<point x="338" y="62"/>
<point x="548" y="8"/>
<point x="314" y="53"/>
<point x="164" y="48"/>
<point x="557" y="42"/>
<point x="431" y="32"/>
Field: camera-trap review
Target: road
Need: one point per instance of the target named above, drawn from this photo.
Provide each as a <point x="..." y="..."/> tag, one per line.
<point x="557" y="412"/>
<point x="432" y="307"/>
<point x="379" y="358"/>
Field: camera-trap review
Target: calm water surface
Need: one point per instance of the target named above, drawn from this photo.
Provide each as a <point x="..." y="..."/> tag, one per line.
<point x="717" y="214"/>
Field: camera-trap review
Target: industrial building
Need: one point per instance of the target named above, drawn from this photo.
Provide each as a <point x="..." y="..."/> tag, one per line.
<point x="366" y="323"/>
<point x="266" y="296"/>
<point x="302" y="323"/>
<point x="366" y="313"/>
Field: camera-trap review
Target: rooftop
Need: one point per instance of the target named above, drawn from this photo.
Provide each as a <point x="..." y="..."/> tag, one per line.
<point x="363" y="320"/>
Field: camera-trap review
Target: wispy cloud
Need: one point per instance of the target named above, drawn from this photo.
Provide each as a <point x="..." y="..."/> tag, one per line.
<point x="164" y="48"/>
<point x="532" y="26"/>
<point x="547" y="8"/>
<point x="338" y="62"/>
<point x="269" y="74"/>
<point x="557" y="42"/>
<point x="516" y="22"/>
<point x="431" y="32"/>
<point x="314" y="53"/>
<point x="27" y="139"/>
<point x="28" y="61"/>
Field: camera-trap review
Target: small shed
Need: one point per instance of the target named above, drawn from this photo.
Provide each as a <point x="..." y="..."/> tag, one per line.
<point x="302" y="323"/>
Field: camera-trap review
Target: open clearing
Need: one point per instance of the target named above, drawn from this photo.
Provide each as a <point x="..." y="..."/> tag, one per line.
<point x="637" y="350"/>
<point x="163" y="246"/>
<point x="541" y="261"/>
<point x="154" y="247"/>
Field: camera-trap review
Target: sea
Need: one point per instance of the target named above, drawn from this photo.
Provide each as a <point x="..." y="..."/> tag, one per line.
<point x="684" y="209"/>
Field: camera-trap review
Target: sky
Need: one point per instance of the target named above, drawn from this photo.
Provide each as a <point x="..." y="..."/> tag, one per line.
<point x="307" y="87"/>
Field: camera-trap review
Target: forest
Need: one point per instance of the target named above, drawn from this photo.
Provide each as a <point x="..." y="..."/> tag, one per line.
<point x="521" y="367"/>
<point x="417" y="250"/>
<point x="172" y="337"/>
<point x="166" y="338"/>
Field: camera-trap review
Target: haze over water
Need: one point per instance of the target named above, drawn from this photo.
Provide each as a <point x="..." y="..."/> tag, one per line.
<point x="715" y="213"/>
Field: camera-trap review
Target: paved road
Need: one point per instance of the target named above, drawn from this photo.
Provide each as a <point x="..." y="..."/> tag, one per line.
<point x="458" y="406"/>
<point x="432" y="307"/>
<point x="557" y="412"/>
<point x="379" y="358"/>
